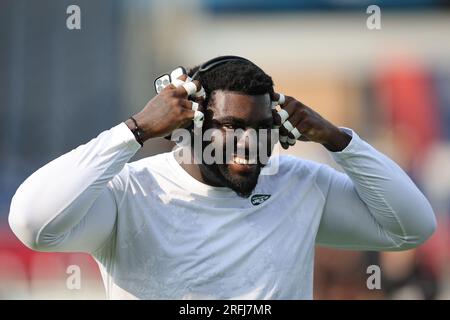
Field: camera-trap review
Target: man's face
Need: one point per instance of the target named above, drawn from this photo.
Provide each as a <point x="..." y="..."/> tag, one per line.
<point x="231" y="111"/>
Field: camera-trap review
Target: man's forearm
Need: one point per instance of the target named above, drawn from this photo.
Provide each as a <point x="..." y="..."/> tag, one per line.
<point x="395" y="202"/>
<point x="78" y="176"/>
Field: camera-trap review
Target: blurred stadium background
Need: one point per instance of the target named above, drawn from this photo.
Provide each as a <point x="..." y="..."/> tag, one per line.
<point x="60" y="88"/>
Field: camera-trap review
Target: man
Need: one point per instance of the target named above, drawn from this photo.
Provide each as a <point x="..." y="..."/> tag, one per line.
<point x="165" y="228"/>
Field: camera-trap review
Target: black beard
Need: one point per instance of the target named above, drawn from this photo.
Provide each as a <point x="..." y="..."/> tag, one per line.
<point x="243" y="185"/>
<point x="219" y="174"/>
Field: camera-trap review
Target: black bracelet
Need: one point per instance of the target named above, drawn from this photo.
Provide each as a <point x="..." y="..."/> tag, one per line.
<point x="137" y="132"/>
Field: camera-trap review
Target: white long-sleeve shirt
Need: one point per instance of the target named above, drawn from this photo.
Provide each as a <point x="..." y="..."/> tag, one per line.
<point x="156" y="232"/>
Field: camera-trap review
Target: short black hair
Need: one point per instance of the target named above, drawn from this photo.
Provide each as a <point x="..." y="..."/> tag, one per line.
<point x="235" y="75"/>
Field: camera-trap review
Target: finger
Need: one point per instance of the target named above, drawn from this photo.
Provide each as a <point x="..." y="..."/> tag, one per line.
<point x="295" y="134"/>
<point x="284" y="142"/>
<point x="277" y="99"/>
<point x="280" y="117"/>
<point x="281" y="99"/>
<point x="191" y="105"/>
<point x="199" y="100"/>
<point x="295" y="119"/>
<point x="190" y="116"/>
<point x="188" y="113"/>
<point x="284" y="145"/>
<point x="275" y="118"/>
<point x="288" y="127"/>
<point x="183" y="77"/>
<point x="200" y="90"/>
<point x="291" y="141"/>
<point x="195" y="116"/>
<point x="198" y="119"/>
<point x="168" y="88"/>
<point x="289" y="107"/>
<point x="273" y="96"/>
<point x="177" y="82"/>
<point x="274" y="100"/>
<point x="188" y="88"/>
<point x="194" y="106"/>
<point x="201" y="93"/>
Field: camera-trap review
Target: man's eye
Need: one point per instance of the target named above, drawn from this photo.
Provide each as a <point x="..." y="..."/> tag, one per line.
<point x="229" y="126"/>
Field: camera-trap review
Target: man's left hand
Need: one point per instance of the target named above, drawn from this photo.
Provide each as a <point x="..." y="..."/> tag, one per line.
<point x="311" y="126"/>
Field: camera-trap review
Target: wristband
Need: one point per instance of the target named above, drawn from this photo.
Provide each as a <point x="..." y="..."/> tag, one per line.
<point x="137" y="132"/>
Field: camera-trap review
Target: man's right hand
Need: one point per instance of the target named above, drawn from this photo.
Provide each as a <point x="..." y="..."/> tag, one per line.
<point x="166" y="112"/>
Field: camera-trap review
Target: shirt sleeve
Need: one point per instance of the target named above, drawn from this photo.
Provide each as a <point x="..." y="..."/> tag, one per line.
<point x="67" y="205"/>
<point x="374" y="205"/>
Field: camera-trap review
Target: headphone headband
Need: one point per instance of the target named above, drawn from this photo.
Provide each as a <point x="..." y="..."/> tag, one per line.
<point x="210" y="64"/>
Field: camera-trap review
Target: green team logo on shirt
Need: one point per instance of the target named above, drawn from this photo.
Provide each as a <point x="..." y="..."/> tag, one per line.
<point x="259" y="198"/>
